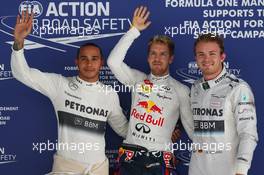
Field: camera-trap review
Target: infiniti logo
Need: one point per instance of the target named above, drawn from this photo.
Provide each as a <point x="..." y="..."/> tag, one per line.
<point x="142" y="127"/>
<point x="166" y="88"/>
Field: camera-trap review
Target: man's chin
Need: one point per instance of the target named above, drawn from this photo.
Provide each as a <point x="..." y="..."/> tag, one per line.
<point x="206" y="70"/>
<point x="158" y="73"/>
<point x="89" y="76"/>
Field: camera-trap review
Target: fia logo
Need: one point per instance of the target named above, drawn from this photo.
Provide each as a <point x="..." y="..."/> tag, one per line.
<point x="31" y="6"/>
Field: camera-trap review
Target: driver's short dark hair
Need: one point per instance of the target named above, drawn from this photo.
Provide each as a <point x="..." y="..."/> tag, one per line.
<point x="210" y="37"/>
<point x="163" y="39"/>
<point x="87" y="45"/>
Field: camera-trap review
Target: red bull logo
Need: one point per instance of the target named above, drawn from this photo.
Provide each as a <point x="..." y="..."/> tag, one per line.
<point x="150" y="106"/>
<point x="147" y="118"/>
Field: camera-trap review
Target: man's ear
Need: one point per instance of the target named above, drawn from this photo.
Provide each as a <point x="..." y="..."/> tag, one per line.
<point x="103" y="62"/>
<point x="223" y="57"/>
<point x="171" y="59"/>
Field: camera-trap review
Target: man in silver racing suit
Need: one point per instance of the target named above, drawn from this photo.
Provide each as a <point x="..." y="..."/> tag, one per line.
<point x="225" y="132"/>
<point x="82" y="104"/>
<point x="158" y="100"/>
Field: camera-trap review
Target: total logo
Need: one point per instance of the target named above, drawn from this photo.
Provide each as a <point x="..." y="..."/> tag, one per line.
<point x="192" y="72"/>
<point x="5" y="74"/>
<point x="6" y="158"/>
<point x="151" y="108"/>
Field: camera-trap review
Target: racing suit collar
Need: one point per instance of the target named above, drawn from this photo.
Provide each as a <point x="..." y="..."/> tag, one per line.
<point x="85" y="83"/>
<point x="211" y="83"/>
<point x="158" y="79"/>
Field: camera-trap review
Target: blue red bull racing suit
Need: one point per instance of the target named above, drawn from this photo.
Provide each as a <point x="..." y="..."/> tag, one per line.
<point x="157" y="104"/>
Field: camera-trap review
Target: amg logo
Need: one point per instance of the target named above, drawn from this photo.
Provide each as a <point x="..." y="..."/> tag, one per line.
<point x="2" y="67"/>
<point x="2" y="150"/>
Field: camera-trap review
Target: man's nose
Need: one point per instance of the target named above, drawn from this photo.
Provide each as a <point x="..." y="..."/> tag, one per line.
<point x="157" y="57"/>
<point x="206" y="57"/>
<point x="88" y="62"/>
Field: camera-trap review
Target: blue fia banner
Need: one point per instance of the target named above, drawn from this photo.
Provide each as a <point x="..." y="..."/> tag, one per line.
<point x="27" y="118"/>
